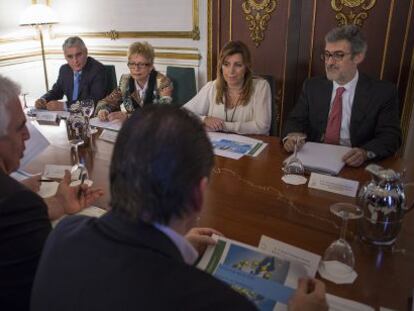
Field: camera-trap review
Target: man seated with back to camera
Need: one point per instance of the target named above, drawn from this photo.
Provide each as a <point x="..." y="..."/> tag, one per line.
<point x="141" y="254"/>
<point x="25" y="216"/>
<point x="83" y="77"/>
<point x="347" y="107"/>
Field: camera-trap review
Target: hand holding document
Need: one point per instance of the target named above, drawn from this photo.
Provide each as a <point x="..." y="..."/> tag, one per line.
<point x="264" y="278"/>
<point x="322" y="158"/>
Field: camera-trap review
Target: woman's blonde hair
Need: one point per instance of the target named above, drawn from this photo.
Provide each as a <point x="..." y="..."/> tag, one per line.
<point x="142" y="48"/>
<point x="231" y="48"/>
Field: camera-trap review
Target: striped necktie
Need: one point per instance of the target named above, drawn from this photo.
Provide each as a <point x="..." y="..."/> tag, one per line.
<point x="333" y="128"/>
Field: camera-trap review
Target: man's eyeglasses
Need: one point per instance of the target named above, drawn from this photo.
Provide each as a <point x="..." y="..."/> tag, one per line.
<point x="336" y="56"/>
<point x="138" y="65"/>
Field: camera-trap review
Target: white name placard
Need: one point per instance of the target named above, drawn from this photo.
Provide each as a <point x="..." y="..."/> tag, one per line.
<point x="333" y="184"/>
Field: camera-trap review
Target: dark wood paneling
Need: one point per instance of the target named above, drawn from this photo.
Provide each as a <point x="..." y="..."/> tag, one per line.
<point x="294" y="40"/>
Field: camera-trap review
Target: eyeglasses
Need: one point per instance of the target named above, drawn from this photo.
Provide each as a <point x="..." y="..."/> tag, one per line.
<point x="138" y="65"/>
<point x="336" y="56"/>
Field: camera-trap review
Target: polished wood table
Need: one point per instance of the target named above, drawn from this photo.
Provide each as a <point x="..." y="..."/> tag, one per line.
<point x="246" y="198"/>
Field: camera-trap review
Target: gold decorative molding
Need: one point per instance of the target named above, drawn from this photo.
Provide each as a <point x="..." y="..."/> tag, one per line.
<point x="352" y="11"/>
<point x="312" y="38"/>
<point x="112" y="34"/>
<point x="25" y="56"/>
<point x="407" y="29"/>
<point x="387" y="36"/>
<point x="257" y="14"/>
<point x="408" y="104"/>
<point x="209" y="40"/>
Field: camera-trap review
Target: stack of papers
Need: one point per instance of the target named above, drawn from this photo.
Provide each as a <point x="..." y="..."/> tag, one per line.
<point x="322" y="158"/>
<point x="235" y="146"/>
<point x="109" y="125"/>
<point x="33" y="112"/>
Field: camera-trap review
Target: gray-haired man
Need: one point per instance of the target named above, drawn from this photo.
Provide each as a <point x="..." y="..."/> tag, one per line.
<point x="81" y="78"/>
<point x="347" y="107"/>
<point x="24" y="216"/>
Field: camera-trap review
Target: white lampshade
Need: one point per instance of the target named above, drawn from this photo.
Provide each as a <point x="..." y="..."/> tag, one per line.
<point x="38" y="14"/>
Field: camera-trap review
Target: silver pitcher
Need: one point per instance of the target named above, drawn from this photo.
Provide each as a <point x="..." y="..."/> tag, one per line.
<point x="384" y="204"/>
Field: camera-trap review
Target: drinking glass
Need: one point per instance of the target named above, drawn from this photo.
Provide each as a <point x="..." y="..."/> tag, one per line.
<point x="338" y="259"/>
<point x="74" y="144"/>
<point x="293" y="168"/>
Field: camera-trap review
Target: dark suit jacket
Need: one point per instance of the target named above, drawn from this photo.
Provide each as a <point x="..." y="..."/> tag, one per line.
<point x="24" y="226"/>
<point x="92" y="84"/>
<point x="375" y="124"/>
<point x="113" y="264"/>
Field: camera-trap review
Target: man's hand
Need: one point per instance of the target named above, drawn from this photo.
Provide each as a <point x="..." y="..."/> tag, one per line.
<point x="33" y="183"/>
<point x="55" y="105"/>
<point x="117" y="115"/>
<point x="40" y="103"/>
<point x="355" y="157"/>
<point x="167" y="90"/>
<point x="103" y="115"/>
<point x="309" y="296"/>
<point x="68" y="196"/>
<point x="213" y="124"/>
<point x="291" y="139"/>
<point x="200" y="238"/>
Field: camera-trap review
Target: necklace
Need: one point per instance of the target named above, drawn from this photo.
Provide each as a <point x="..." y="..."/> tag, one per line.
<point x="234" y="110"/>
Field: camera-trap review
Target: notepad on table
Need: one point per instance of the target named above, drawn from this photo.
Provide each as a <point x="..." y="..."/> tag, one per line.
<point x="322" y="158"/>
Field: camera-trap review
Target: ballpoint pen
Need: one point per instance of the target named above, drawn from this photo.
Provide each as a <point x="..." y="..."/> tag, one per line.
<point x="80" y="186"/>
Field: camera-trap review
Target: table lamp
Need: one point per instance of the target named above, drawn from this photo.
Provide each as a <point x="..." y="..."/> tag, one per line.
<point x="37" y="15"/>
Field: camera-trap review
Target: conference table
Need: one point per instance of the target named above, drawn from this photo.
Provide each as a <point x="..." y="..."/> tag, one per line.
<point x="246" y="199"/>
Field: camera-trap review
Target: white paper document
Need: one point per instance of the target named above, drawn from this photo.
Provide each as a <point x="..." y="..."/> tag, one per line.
<point x="33" y="112"/>
<point x="91" y="211"/>
<point x="109" y="136"/>
<point x="337" y="185"/>
<point x="311" y="262"/>
<point x="46" y="116"/>
<point x="280" y="249"/>
<point x="34" y="146"/>
<point x="235" y="146"/>
<point x="322" y="158"/>
<point x="49" y="189"/>
<point x="58" y="171"/>
<point x="110" y="125"/>
<point x="336" y="303"/>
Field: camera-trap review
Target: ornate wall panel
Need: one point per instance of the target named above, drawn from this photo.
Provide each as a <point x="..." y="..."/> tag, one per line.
<point x="262" y="25"/>
<point x="294" y="38"/>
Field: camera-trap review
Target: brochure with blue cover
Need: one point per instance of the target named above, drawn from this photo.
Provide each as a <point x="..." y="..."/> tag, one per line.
<point x="265" y="279"/>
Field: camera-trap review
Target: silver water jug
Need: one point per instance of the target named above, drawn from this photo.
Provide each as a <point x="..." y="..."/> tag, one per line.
<point x="384" y="204"/>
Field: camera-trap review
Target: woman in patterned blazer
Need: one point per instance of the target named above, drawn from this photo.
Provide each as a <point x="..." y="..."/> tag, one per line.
<point x="142" y="86"/>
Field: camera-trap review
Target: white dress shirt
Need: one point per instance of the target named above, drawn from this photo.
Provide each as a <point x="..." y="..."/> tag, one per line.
<point x="141" y="91"/>
<point x="252" y="118"/>
<point x="347" y="102"/>
<point x="188" y="252"/>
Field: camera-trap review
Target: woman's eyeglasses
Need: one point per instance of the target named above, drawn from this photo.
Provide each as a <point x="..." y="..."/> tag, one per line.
<point x="138" y="65"/>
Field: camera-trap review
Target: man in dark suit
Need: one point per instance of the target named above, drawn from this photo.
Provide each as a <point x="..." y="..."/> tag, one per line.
<point x="81" y="78"/>
<point x="24" y="216"/>
<point x="347" y="107"/>
<point x="140" y="255"/>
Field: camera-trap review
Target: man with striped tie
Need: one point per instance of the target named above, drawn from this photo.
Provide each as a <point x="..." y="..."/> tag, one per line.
<point x="81" y="78"/>
<point x="346" y="107"/>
